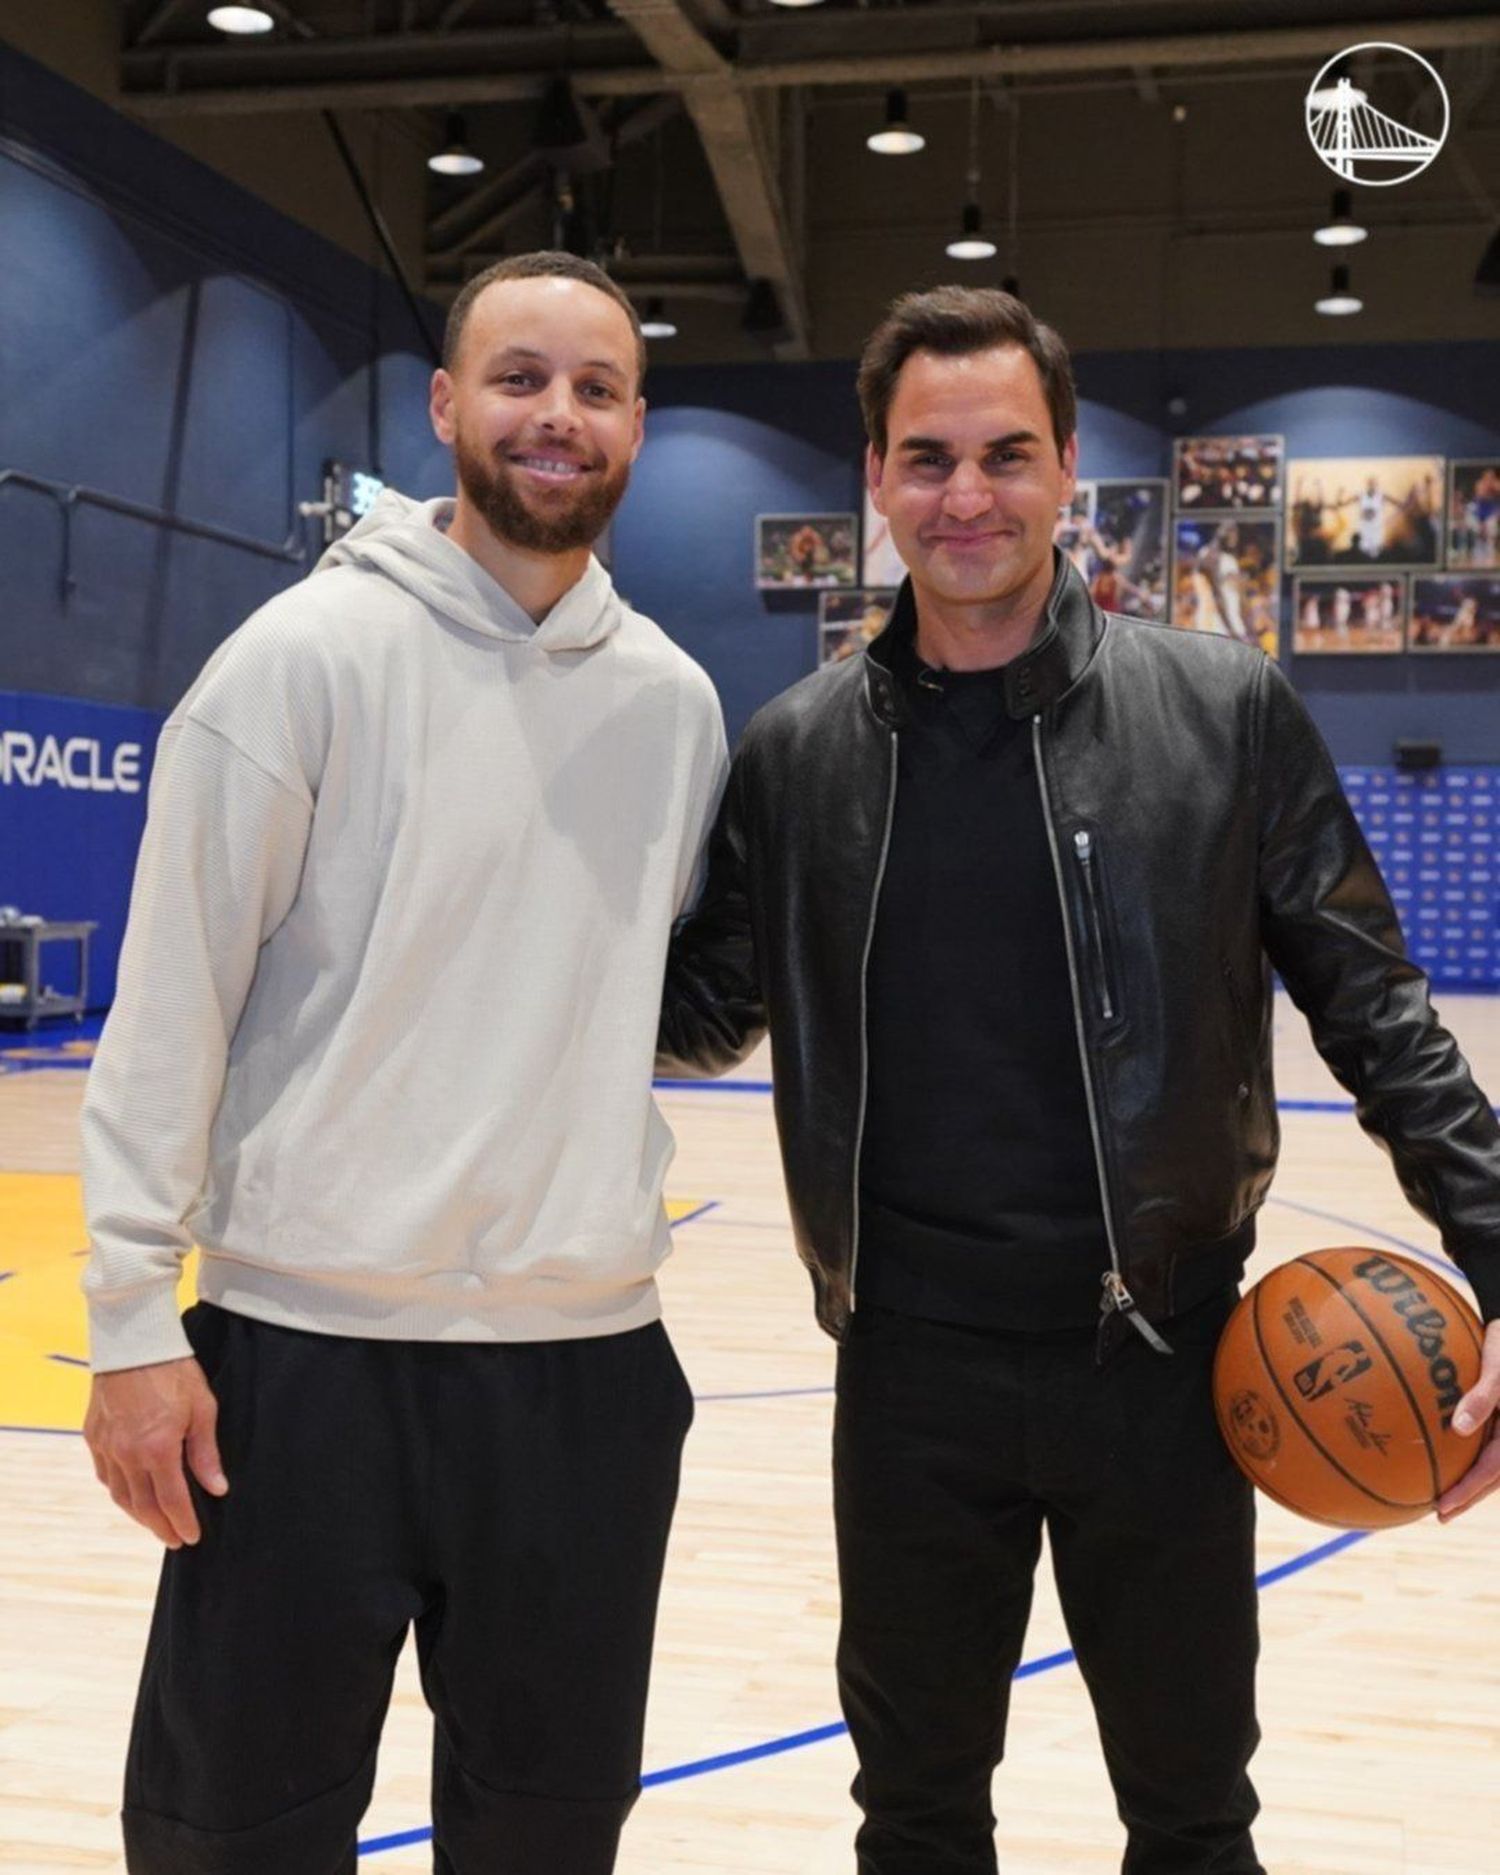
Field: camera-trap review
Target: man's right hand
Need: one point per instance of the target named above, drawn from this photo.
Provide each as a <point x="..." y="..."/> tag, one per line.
<point x="140" y="1423"/>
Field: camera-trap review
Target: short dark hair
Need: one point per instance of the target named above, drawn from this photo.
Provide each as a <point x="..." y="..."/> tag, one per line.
<point x="956" y="321"/>
<point x="537" y="266"/>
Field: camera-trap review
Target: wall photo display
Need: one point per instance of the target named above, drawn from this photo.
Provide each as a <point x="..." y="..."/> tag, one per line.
<point x="1349" y="614"/>
<point x="1365" y="511"/>
<point x="1455" y="612"/>
<point x="1474" y="514"/>
<point x="1228" y="474"/>
<point x="799" y="551"/>
<point x="847" y="621"/>
<point x="1226" y="577"/>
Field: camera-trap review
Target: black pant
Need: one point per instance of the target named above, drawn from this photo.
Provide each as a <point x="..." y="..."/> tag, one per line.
<point x="512" y="1501"/>
<point x="953" y="1448"/>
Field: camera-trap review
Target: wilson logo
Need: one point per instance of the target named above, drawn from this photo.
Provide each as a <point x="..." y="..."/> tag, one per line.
<point x="1425" y="1324"/>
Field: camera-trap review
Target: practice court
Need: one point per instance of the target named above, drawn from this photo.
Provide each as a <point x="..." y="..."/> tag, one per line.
<point x="1380" y="1688"/>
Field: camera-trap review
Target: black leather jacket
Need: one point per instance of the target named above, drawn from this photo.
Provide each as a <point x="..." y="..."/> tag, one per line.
<point x="1199" y="835"/>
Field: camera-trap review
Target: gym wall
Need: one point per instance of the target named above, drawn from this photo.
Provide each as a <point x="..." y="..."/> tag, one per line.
<point x="168" y="338"/>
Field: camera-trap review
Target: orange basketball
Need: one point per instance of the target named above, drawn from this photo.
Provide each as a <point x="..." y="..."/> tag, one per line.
<point x="1335" y="1384"/>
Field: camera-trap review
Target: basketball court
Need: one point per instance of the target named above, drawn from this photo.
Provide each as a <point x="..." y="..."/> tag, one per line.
<point x="1378" y="1687"/>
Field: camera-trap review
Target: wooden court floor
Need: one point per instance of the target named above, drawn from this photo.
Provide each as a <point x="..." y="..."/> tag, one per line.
<point x="1381" y="1676"/>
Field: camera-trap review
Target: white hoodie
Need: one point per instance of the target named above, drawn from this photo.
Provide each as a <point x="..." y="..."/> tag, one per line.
<point x="387" y="1006"/>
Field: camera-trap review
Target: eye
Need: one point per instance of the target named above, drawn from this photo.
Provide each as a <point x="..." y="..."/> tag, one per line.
<point x="518" y="380"/>
<point x="600" y="392"/>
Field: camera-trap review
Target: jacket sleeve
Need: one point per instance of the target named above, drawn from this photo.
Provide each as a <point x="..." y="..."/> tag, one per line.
<point x="712" y="1014"/>
<point x="1331" y="931"/>
<point x="219" y="867"/>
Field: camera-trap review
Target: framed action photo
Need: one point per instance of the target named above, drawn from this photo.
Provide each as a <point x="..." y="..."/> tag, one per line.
<point x="1226" y="577"/>
<point x="1358" y="511"/>
<point x="847" y="621"/>
<point x="1127" y="550"/>
<point x="1455" y="612"/>
<point x="802" y="550"/>
<point x="1351" y="614"/>
<point x="1228" y="474"/>
<point x="1474" y="514"/>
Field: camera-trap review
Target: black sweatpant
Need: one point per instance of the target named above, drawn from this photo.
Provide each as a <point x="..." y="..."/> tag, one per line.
<point x="512" y="1501"/>
<point x="953" y="1448"/>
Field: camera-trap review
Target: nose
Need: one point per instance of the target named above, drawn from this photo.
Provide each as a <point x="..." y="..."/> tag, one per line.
<point x="968" y="494"/>
<point x="556" y="410"/>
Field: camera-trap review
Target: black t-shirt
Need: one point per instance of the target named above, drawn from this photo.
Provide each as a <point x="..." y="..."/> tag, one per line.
<point x="979" y="1194"/>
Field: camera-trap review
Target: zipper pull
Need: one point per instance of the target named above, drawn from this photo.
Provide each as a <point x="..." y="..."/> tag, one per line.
<point x="1117" y="1299"/>
<point x="1083" y="841"/>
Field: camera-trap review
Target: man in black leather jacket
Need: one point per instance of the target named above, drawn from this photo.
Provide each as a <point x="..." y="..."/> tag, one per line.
<point x="1006" y="891"/>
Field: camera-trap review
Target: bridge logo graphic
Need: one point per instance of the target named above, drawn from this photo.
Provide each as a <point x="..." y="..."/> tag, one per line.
<point x="1362" y="144"/>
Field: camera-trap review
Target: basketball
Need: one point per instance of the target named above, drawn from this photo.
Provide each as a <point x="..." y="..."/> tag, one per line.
<point x="1335" y="1383"/>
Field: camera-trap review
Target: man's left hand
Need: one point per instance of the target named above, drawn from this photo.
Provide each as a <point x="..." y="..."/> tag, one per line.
<point x="1477" y="1412"/>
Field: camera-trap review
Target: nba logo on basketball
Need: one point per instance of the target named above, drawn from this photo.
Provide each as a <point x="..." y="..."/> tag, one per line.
<point x="1334" y="1369"/>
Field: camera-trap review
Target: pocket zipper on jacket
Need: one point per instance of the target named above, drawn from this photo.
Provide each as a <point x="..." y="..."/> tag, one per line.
<point x="1083" y="846"/>
<point x="1116" y="1298"/>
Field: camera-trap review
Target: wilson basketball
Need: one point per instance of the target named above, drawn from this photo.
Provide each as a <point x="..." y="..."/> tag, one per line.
<point x="1335" y="1383"/>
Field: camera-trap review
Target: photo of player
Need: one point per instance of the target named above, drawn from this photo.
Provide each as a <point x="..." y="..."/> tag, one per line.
<point x="796" y="550"/>
<point x="1453" y="612"/>
<point x="847" y="621"/>
<point x="1474" y="513"/>
<point x="1347" y="613"/>
<point x="1226" y="578"/>
<point x="1365" y="511"/>
<point x="1128" y="572"/>
<point x="1229" y="474"/>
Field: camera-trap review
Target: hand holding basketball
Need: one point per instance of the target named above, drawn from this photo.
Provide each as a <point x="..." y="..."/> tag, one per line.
<point x="1480" y="1405"/>
<point x="1339" y="1382"/>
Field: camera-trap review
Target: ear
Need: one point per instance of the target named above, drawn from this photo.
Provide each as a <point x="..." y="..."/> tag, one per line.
<point x="440" y="407"/>
<point x="874" y="474"/>
<point x="1070" y="467"/>
<point x="639" y="436"/>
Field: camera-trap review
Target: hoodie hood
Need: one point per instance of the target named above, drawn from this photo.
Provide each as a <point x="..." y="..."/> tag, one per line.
<point x="406" y="541"/>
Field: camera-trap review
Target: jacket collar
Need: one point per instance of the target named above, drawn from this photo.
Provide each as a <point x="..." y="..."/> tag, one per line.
<point x="1071" y="628"/>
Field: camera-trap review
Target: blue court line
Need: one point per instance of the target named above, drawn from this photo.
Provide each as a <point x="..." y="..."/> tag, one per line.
<point x="771" y="1393"/>
<point x="1441" y="1263"/>
<point x="691" y="1217"/>
<point x="716" y="1087"/>
<point x="821" y="1734"/>
<point x="764" y="1087"/>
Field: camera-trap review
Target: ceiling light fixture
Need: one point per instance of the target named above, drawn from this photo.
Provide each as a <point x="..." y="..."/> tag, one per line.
<point x="240" y="19"/>
<point x="970" y="244"/>
<point x="1341" y="229"/>
<point x="897" y="138"/>
<point x="656" y="324"/>
<point x="1340" y="301"/>
<point x="455" y="158"/>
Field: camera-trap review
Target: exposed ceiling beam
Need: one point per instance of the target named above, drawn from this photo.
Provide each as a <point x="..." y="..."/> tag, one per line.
<point x="744" y="170"/>
<point x="485" y="66"/>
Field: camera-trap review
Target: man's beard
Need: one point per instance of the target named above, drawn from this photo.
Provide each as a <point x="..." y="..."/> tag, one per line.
<point x="493" y="486"/>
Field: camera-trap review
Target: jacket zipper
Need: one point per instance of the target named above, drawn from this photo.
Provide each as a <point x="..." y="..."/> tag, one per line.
<point x="1083" y="846"/>
<point x="1117" y="1297"/>
<point x="864" y="1027"/>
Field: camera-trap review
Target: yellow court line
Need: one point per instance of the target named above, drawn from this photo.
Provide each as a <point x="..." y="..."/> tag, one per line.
<point x="43" y="1329"/>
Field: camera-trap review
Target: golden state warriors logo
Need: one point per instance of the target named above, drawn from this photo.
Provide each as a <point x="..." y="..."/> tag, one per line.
<point x="1357" y="139"/>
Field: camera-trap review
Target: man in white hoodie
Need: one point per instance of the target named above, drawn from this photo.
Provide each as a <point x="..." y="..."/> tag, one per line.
<point x="382" y="1049"/>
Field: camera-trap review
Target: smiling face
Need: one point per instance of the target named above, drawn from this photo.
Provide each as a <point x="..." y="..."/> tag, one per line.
<point x="972" y="480"/>
<point x="541" y="410"/>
